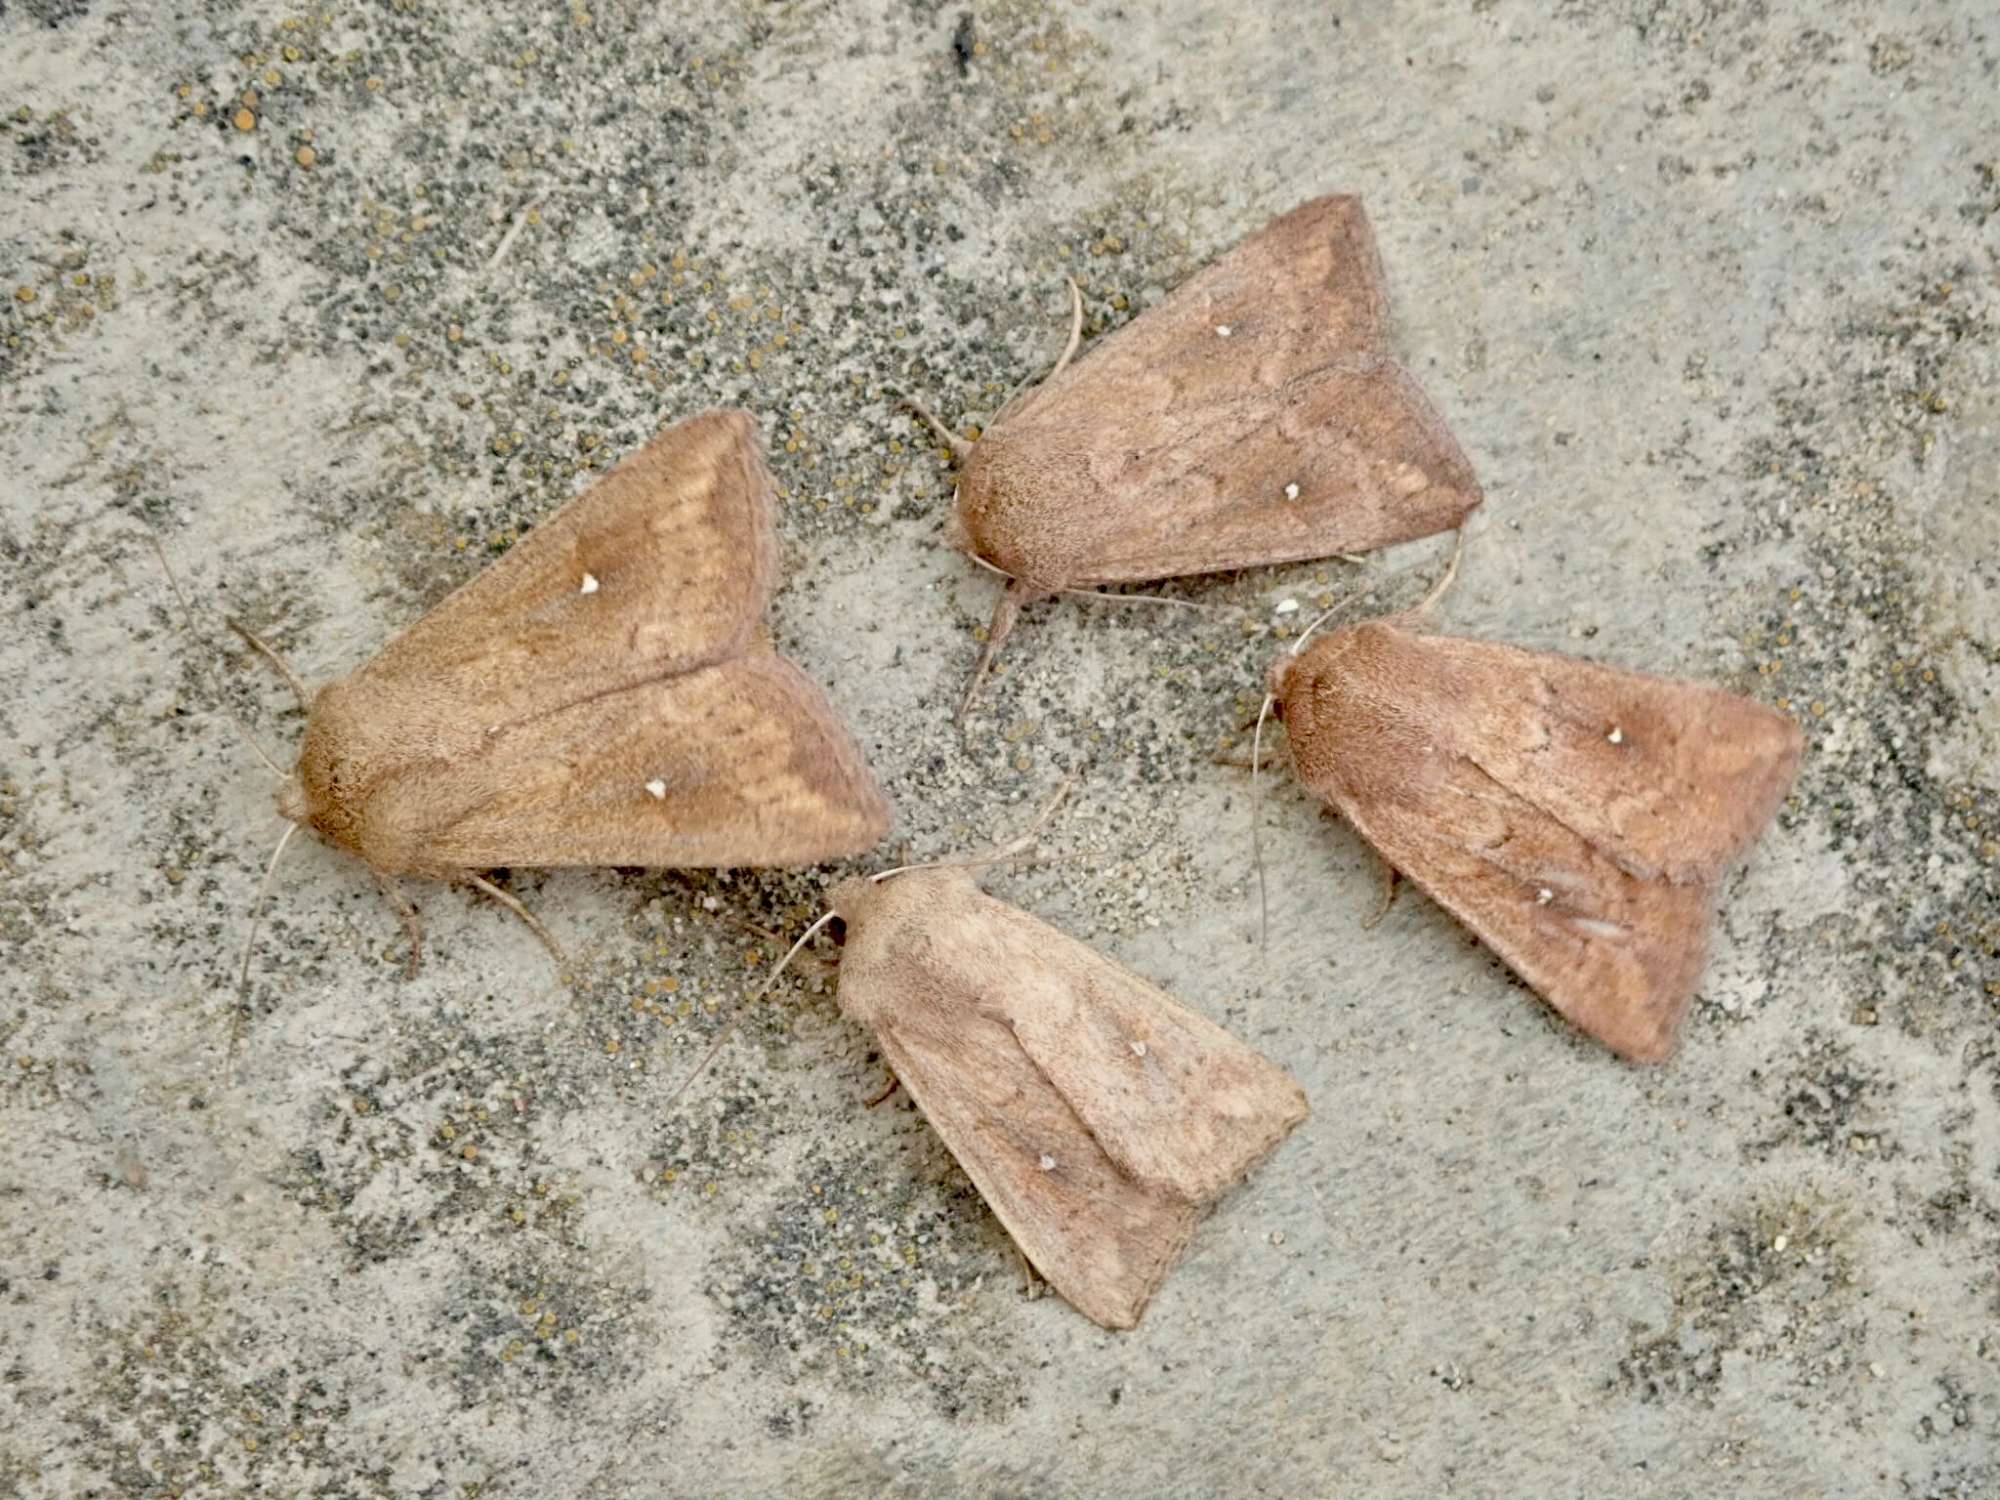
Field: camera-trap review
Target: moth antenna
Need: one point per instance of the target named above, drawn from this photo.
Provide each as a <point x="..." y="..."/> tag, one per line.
<point x="512" y="904"/>
<point x="1075" y="330"/>
<point x="413" y="920"/>
<point x="961" y="448"/>
<point x="1062" y="362"/>
<point x="1257" y="825"/>
<point x="1438" y="591"/>
<point x="1004" y="852"/>
<point x="513" y="233"/>
<point x="187" y="621"/>
<point x="730" y="1030"/>
<point x="1136" y="598"/>
<point x="250" y="942"/>
<point x="269" y="654"/>
<point x="1005" y="611"/>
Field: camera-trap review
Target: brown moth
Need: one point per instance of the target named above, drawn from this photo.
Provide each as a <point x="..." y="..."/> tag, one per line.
<point x="1255" y="416"/>
<point x="600" y="695"/>
<point x="1576" y="817"/>
<point x="1098" y="1116"/>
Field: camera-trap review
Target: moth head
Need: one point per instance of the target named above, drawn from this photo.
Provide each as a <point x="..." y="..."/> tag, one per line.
<point x="852" y="898"/>
<point x="292" y="799"/>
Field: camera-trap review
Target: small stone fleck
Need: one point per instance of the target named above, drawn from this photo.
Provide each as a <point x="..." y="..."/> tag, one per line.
<point x="1286" y="607"/>
<point x="1780" y="1242"/>
<point x="25" y="294"/>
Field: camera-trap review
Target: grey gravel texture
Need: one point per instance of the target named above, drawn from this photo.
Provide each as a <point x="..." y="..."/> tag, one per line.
<point x="339" y="302"/>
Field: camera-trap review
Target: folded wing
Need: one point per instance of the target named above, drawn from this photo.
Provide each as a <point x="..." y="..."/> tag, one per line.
<point x="741" y="763"/>
<point x="663" y="565"/>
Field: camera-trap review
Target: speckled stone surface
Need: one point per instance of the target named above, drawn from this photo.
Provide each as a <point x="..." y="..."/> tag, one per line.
<point x="341" y="301"/>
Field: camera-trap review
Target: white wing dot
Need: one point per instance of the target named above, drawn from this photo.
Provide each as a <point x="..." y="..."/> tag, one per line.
<point x="589" y="584"/>
<point x="1544" y="896"/>
<point x="1291" y="492"/>
<point x="1617" y="735"/>
<point x="1222" y="330"/>
<point x="1138" y="1049"/>
<point x="1048" y="1162"/>
<point x="658" y="788"/>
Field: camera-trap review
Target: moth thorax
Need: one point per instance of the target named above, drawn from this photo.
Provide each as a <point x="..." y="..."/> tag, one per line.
<point x="292" y="801"/>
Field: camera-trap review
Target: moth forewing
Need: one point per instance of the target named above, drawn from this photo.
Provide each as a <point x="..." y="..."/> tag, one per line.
<point x="1576" y="817"/>
<point x="598" y="695"/>
<point x="1098" y="1117"/>
<point x="1253" y="417"/>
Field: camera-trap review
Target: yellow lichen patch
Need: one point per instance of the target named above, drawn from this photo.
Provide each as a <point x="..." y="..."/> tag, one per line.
<point x="246" y="119"/>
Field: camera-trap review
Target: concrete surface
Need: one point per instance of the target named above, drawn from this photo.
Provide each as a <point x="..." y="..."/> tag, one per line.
<point x="1709" y="293"/>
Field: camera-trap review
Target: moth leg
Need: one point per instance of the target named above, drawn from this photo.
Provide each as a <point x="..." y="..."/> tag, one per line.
<point x="413" y="920"/>
<point x="1032" y="1286"/>
<point x="882" y="1093"/>
<point x="1275" y="754"/>
<point x="534" y="926"/>
<point x="269" y="654"/>
<point x="1390" y="878"/>
<point x="1005" y="612"/>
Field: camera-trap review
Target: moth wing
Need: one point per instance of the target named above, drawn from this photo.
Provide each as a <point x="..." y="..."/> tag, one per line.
<point x="1102" y="1240"/>
<point x="740" y="763"/>
<point x="1254" y="416"/>
<point x="664" y="564"/>
<point x="1671" y="779"/>
<point x="1617" y="954"/>
<point x="1177" y="1102"/>
<point x="1018" y="1042"/>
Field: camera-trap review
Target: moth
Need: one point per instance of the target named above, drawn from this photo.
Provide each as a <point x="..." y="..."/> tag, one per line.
<point x="1098" y="1116"/>
<point x="1576" y="817"/>
<point x="1255" y="416"/>
<point x="600" y="695"/>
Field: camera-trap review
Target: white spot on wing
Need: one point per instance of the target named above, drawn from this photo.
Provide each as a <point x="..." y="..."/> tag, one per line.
<point x="658" y="788"/>
<point x="1544" y="896"/>
<point x="1222" y="330"/>
<point x="1291" y="492"/>
<point x="1617" y="735"/>
<point x="1048" y="1162"/>
<point x="1138" y="1049"/>
<point x="589" y="584"/>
